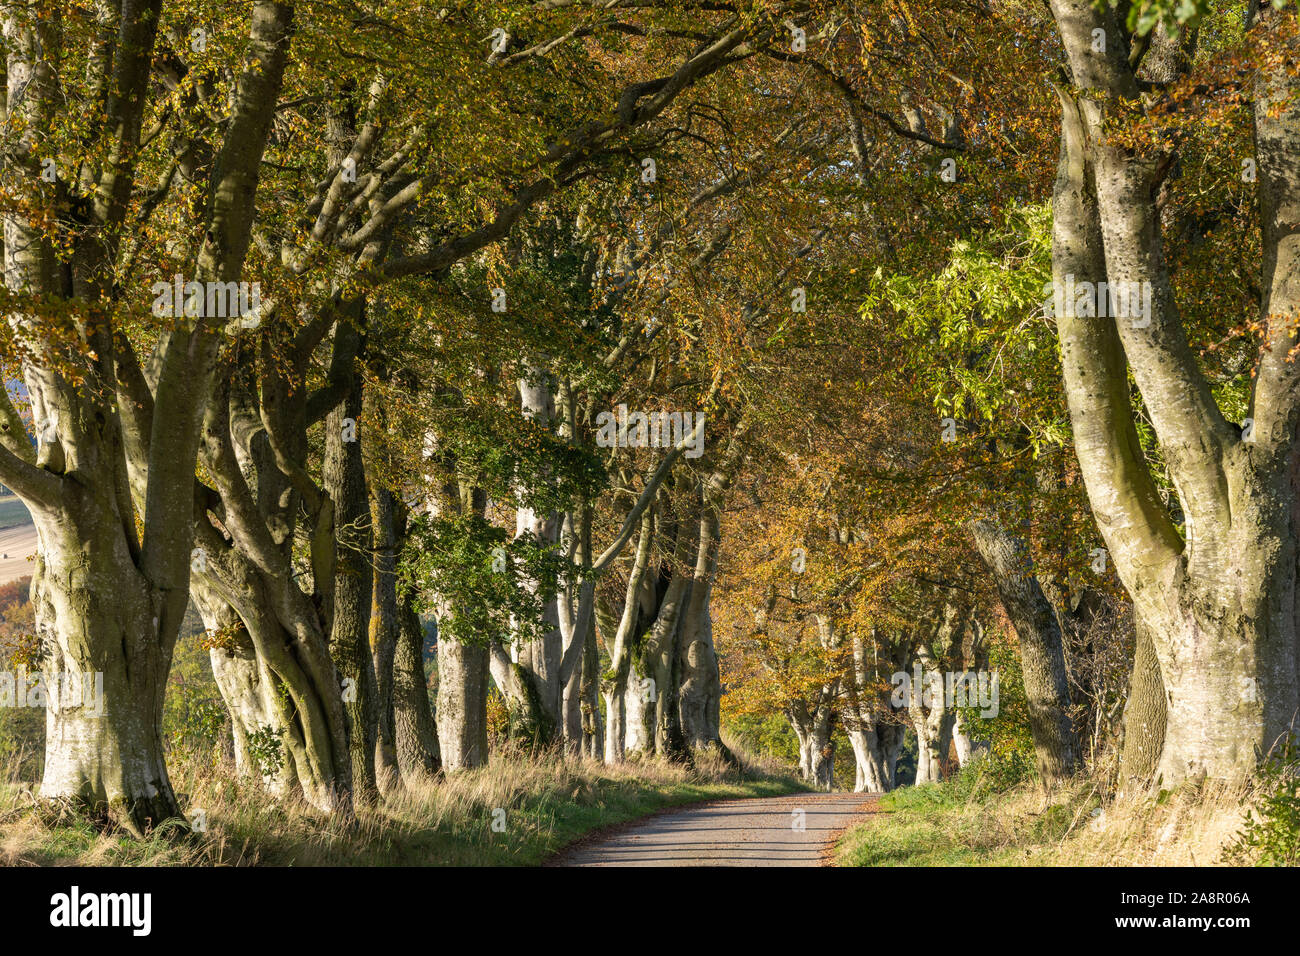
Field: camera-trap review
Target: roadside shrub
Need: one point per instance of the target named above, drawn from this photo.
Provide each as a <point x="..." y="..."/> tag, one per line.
<point x="1270" y="835"/>
<point x="1010" y="757"/>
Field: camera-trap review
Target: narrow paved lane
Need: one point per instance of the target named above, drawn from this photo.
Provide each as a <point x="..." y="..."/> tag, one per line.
<point x="772" y="831"/>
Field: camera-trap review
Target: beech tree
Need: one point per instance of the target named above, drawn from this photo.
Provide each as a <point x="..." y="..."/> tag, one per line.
<point x="117" y="435"/>
<point x="1215" y="593"/>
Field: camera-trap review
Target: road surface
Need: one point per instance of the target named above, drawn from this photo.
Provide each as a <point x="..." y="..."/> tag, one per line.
<point x="759" y="832"/>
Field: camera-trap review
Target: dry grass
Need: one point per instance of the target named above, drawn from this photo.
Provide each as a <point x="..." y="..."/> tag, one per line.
<point x="1189" y="827"/>
<point x="959" y="823"/>
<point x="545" y="802"/>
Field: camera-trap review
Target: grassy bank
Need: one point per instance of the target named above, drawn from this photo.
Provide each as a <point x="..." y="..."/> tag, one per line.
<point x="547" y="803"/>
<point x="967" y="822"/>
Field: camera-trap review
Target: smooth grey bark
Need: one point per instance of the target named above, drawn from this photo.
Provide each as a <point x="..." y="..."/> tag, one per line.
<point x="813" y="719"/>
<point x="614" y="686"/>
<point x="249" y="691"/>
<point x="700" y="689"/>
<point x="933" y="646"/>
<point x="254" y="448"/>
<point x="593" y="728"/>
<point x="932" y="721"/>
<point x="653" y="722"/>
<point x="812" y="727"/>
<point x="537" y="690"/>
<point x="463" y="665"/>
<point x="462" y="703"/>
<point x="699" y="692"/>
<point x="973" y="658"/>
<point x="871" y="722"/>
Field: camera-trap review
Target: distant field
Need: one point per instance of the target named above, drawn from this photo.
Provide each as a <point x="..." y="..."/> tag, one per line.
<point x="13" y="513"/>
<point x="17" y="539"/>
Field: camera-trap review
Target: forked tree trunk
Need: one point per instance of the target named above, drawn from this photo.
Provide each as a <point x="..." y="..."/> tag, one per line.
<point x="1220" y="604"/>
<point x="932" y="725"/>
<point x="108" y="598"/>
<point x="700" y="691"/>
<point x="305" y="721"/>
<point x="812" y="727"/>
<point x="874" y="732"/>
<point x="248" y="690"/>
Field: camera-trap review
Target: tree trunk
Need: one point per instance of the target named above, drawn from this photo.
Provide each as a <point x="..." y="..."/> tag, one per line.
<point x="816" y="749"/>
<point x="1221" y="603"/>
<point x="98" y="620"/>
<point x="1042" y="652"/>
<point x="965" y="748"/>
<point x="462" y="704"/>
<point x="593" y="738"/>
<point x="869" y="718"/>
<point x="383" y="633"/>
<point x="248" y="690"/>
<point x="932" y="722"/>
<point x="345" y="482"/>
<point x="626" y="692"/>
<point x="536" y="694"/>
<point x="416" y="736"/>
<point x="114" y="445"/>
<point x="1144" y="715"/>
<point x="700" y="690"/>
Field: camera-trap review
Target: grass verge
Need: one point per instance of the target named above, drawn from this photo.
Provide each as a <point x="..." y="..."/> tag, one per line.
<point x="540" y="804"/>
<point x="966" y="822"/>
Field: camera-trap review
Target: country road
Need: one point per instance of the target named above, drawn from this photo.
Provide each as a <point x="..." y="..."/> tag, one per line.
<point x="760" y="832"/>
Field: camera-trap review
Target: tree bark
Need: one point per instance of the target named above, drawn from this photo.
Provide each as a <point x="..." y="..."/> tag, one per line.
<point x="462" y="703"/>
<point x="816" y="748"/>
<point x="1042" y="652"/>
<point x="1144" y="715"/>
<point x="383" y="633"/>
<point x="345" y="483"/>
<point x="415" y="734"/>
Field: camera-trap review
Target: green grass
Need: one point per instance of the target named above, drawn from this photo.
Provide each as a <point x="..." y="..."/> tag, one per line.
<point x="960" y="822"/>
